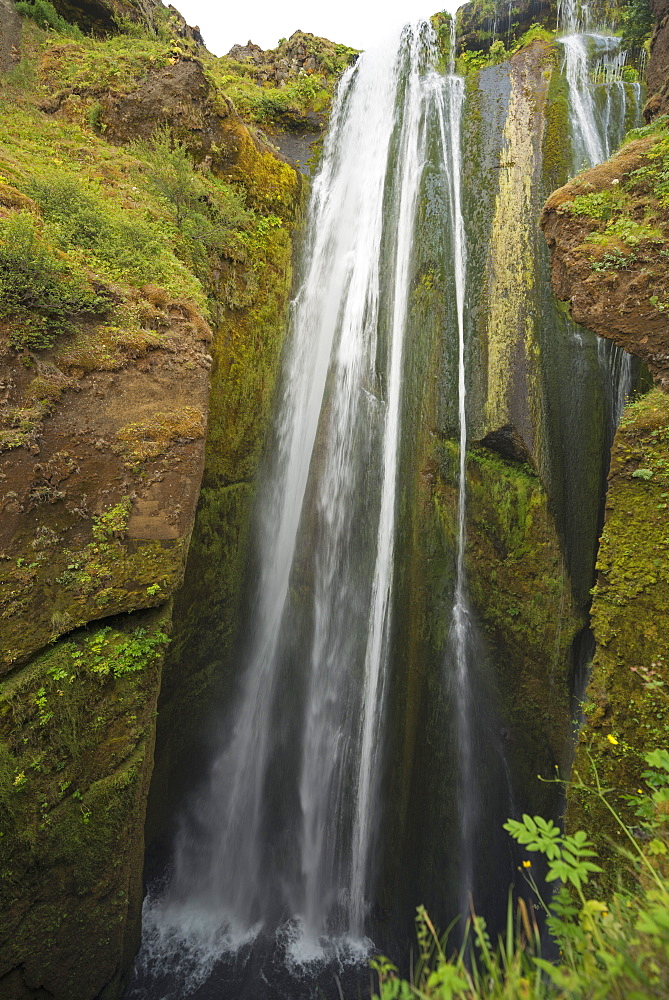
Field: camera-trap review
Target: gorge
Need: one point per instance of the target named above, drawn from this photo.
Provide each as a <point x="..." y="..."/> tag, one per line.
<point x="305" y="565"/>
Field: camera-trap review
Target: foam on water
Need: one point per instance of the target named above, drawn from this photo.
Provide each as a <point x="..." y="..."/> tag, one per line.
<point x="183" y="944"/>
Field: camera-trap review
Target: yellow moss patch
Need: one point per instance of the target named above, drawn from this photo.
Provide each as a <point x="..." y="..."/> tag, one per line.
<point x="152" y="438"/>
<point x="11" y="198"/>
<point x="108" y="348"/>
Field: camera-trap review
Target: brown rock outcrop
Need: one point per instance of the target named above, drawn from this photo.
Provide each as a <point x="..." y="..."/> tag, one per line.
<point x="95" y="428"/>
<point x="180" y="97"/>
<point x="301" y="53"/>
<point x="618" y="292"/>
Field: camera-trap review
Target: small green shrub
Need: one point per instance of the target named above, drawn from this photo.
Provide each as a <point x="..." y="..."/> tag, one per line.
<point x="46" y="16"/>
<point x="614" y="949"/>
<point x="170" y="172"/>
<point x="600" y="205"/>
<point x="82" y="218"/>
<point x="112" y="522"/>
<point x="105" y="655"/>
<point x="39" y="293"/>
<point x="613" y="260"/>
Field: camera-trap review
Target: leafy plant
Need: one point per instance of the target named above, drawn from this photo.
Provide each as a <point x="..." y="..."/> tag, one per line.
<point x="613" y="260"/>
<point x="606" y="950"/>
<point x="107" y="655"/>
<point x="46" y="16"/>
<point x="113" y="521"/>
<point x="39" y="292"/>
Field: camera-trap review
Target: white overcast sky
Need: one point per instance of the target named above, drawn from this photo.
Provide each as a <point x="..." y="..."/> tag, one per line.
<point x="351" y="22"/>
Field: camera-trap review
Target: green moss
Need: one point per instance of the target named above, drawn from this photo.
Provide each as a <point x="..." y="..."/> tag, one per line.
<point x="90" y="66"/>
<point x="521" y="590"/>
<point x="556" y="152"/>
<point x="75" y="758"/>
<point x="246" y="354"/>
<point x="626" y="698"/>
<point x="62" y="588"/>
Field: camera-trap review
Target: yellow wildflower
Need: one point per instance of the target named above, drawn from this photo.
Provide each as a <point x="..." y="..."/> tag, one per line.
<point x="527" y="864"/>
<point x="612" y="740"/>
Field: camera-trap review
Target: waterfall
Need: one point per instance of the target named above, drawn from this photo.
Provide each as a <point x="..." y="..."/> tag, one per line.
<point x="601" y="108"/>
<point x="450" y="99"/>
<point x="308" y="733"/>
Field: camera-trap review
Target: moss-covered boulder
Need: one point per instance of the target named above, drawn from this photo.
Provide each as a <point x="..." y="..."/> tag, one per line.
<point x="76" y="751"/>
<point x="608" y="233"/>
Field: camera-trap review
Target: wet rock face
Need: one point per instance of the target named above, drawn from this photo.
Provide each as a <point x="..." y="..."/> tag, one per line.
<point x="478" y="27"/>
<point x="616" y="289"/>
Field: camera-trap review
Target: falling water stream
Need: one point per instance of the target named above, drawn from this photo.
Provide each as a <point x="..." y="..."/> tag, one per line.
<point x="602" y="108"/>
<point x="327" y="516"/>
<point x="278" y="845"/>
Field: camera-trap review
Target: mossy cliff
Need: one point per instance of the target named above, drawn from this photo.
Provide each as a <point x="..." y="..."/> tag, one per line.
<point x="626" y="712"/>
<point x="607" y="231"/>
<point x="528" y="581"/>
<point x="145" y="242"/>
<point x="482" y="22"/>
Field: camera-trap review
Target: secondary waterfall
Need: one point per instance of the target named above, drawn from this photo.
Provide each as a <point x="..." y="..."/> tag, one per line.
<point x="450" y="97"/>
<point x="603" y="107"/>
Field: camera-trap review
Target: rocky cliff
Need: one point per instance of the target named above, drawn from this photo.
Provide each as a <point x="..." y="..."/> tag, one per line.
<point x="145" y="264"/>
<point x="608" y="232"/>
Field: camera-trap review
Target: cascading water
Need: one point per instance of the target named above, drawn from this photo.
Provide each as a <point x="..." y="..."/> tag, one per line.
<point x="277" y="850"/>
<point x="327" y="525"/>
<point x="449" y="95"/>
<point x="603" y="106"/>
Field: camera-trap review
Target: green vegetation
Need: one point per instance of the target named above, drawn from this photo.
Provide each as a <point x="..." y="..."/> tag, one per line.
<point x="104" y="657"/>
<point x="472" y="60"/>
<point x="613" y="948"/>
<point x="636" y="22"/>
<point x="627" y="710"/>
<point x="39" y="294"/>
<point x="288" y="101"/>
<point x="628" y="221"/>
<point x="46" y="16"/>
